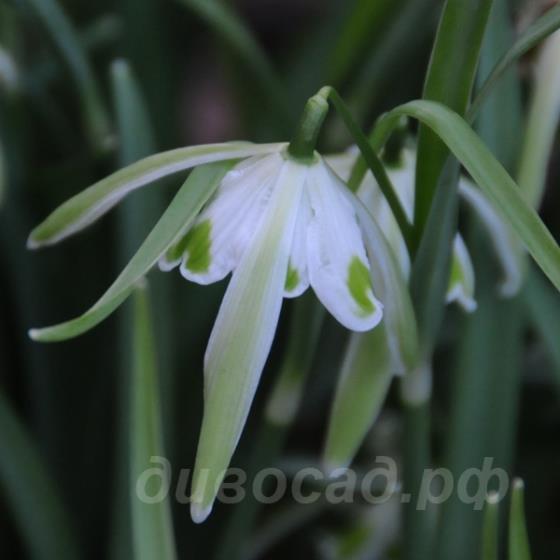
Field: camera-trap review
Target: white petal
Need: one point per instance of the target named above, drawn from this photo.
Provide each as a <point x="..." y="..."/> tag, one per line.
<point x="87" y="206"/>
<point x="224" y="229"/>
<point x="242" y="337"/>
<point x="461" y="281"/>
<point x="508" y="250"/>
<point x="297" y="278"/>
<point x="337" y="261"/>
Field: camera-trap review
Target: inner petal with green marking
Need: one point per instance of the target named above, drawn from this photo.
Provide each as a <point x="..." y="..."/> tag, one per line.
<point x="197" y="244"/>
<point x="359" y="285"/>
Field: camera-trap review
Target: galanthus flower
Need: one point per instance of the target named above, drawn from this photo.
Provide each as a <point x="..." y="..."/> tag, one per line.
<point x="279" y="222"/>
<point x="401" y="172"/>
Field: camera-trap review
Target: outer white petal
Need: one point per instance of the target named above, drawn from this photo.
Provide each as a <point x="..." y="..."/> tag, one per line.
<point x="461" y="281"/>
<point x="224" y="229"/>
<point x="87" y="206"/>
<point x="242" y="337"/>
<point x="337" y="261"/>
<point x="508" y="250"/>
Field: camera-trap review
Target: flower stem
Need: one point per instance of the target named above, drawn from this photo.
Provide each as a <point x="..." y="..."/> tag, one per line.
<point x="304" y="140"/>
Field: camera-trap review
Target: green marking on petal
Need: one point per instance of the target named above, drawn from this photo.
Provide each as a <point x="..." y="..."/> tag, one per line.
<point x="197" y="243"/>
<point x="456" y="274"/>
<point x="360" y="286"/>
<point x="292" y="278"/>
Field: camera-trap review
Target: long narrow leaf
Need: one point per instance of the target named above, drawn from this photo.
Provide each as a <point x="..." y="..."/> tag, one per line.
<point x="152" y="529"/>
<point x="539" y="30"/>
<point x="31" y="495"/>
<point x="181" y="212"/>
<point x="519" y="548"/>
<point x="66" y="39"/>
<point x="490" y="528"/>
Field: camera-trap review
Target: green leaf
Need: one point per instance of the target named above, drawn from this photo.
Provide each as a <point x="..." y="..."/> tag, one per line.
<point x="305" y="326"/>
<point x="363" y="383"/>
<point x="449" y="80"/>
<point x="180" y="214"/>
<point x="67" y="41"/>
<point x="87" y="206"/>
<point x="540" y="29"/>
<point x="490" y="528"/>
<point x="543" y="305"/>
<point x="542" y="122"/>
<point x="30" y="493"/>
<point x="518" y="540"/>
<point x="489" y="175"/>
<point x="152" y="528"/>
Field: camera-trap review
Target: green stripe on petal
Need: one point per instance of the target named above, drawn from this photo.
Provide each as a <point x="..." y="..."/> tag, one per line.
<point x="197" y="245"/>
<point x="90" y="204"/>
<point x="359" y="284"/>
<point x="461" y="277"/>
<point x="292" y="279"/>
<point x="242" y="337"/>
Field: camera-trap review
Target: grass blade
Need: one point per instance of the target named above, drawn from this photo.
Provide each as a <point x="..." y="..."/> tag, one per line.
<point x="519" y="548"/>
<point x="67" y="41"/>
<point x="39" y="514"/>
<point x="152" y="528"/>
<point x="449" y="80"/>
<point x="490" y="528"/>
<point x="539" y="30"/>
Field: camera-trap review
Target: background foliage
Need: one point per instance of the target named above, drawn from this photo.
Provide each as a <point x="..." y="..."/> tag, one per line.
<point x="116" y="80"/>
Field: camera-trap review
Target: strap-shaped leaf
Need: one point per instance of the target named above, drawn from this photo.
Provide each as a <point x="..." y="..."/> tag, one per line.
<point x="152" y="527"/>
<point x="176" y="219"/>
<point x="84" y="208"/>
<point x="519" y="548"/>
<point x="489" y="175"/>
<point x="547" y="24"/>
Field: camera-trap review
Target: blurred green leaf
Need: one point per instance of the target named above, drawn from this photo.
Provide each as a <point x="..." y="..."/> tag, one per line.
<point x="543" y="305"/>
<point x="449" y="80"/>
<point x="490" y="528"/>
<point x="490" y="176"/>
<point x="66" y="40"/>
<point x="518" y="540"/>
<point x="540" y="29"/>
<point x="152" y="527"/>
<point x="196" y="190"/>
<point x="31" y="495"/>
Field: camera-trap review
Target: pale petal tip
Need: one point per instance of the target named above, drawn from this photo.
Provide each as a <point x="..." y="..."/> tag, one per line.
<point x="32" y="243"/>
<point x="200" y="513"/>
<point x="334" y="469"/>
<point x="34" y="334"/>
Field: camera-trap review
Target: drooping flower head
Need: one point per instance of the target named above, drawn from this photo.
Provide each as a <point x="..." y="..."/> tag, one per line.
<point x="279" y="222"/>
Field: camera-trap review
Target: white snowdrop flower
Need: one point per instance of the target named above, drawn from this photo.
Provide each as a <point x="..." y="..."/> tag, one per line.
<point x="279" y="225"/>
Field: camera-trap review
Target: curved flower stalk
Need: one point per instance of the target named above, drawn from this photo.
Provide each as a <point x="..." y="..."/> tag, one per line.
<point x="462" y="281"/>
<point x="280" y="220"/>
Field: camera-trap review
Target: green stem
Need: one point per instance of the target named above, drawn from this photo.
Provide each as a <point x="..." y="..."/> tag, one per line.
<point x="304" y="140"/>
<point x="368" y="152"/>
